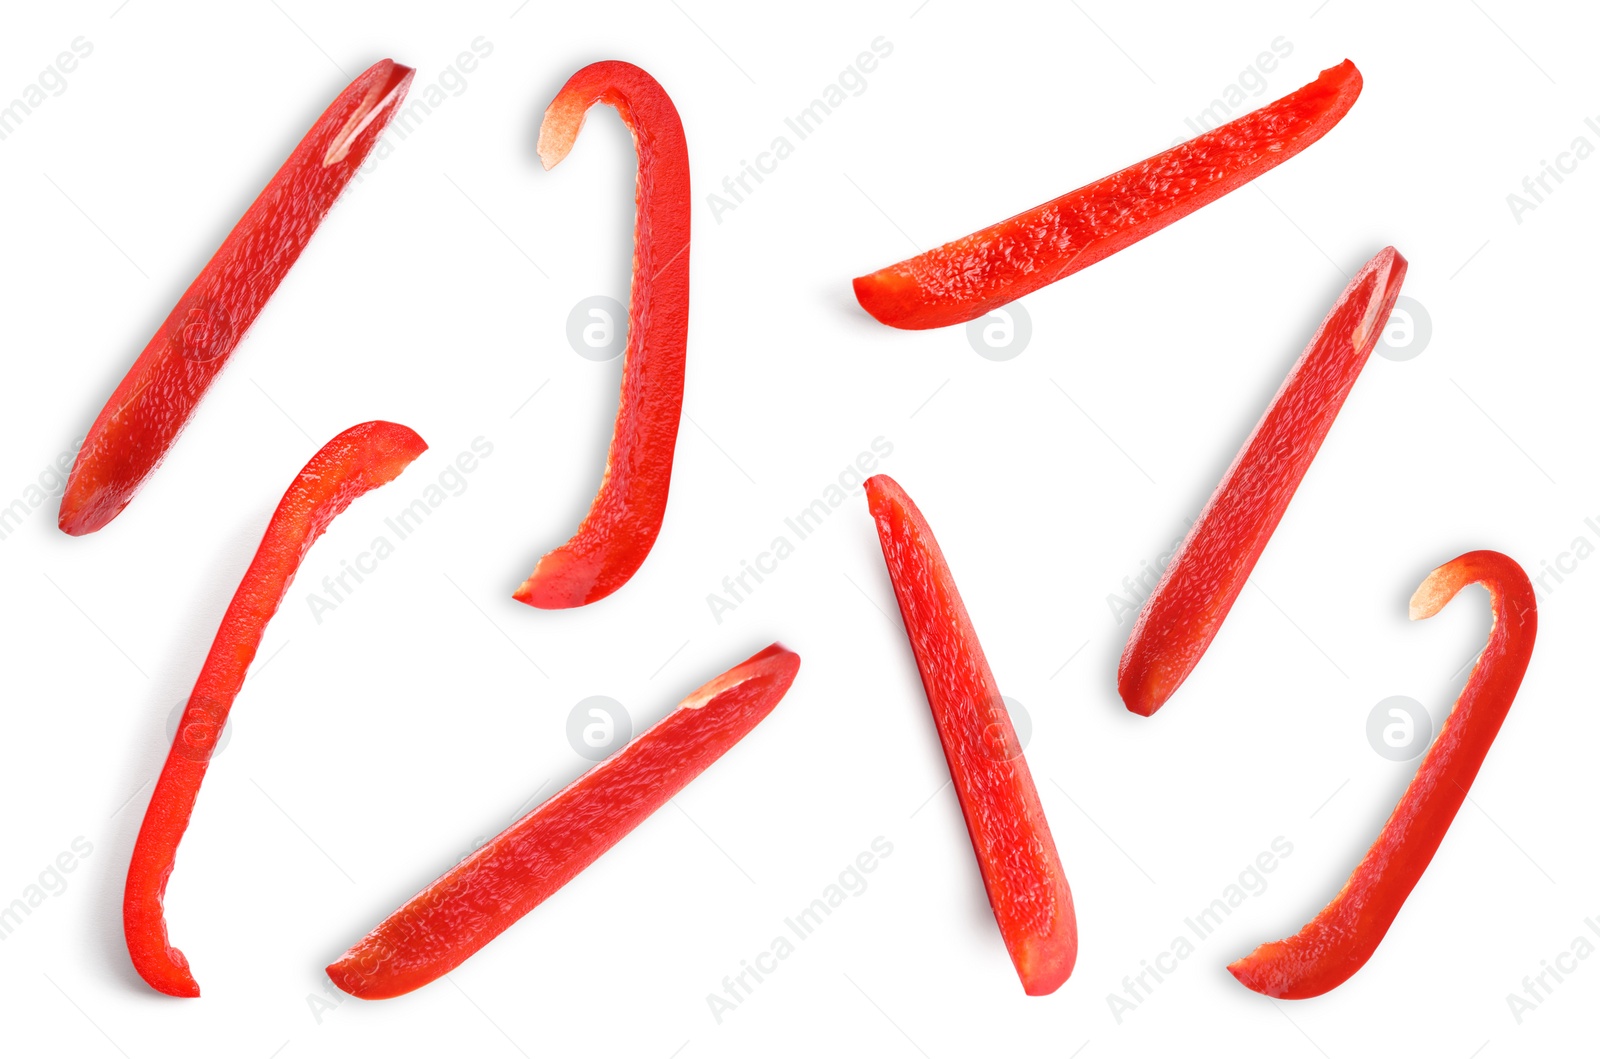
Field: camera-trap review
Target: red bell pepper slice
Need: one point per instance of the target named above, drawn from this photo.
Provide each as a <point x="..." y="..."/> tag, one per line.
<point x="1205" y="577"/>
<point x="626" y="514"/>
<point x="155" y="399"/>
<point x="362" y="458"/>
<point x="976" y="274"/>
<point x="1021" y="870"/>
<point x="1344" y="935"/>
<point x="471" y="904"/>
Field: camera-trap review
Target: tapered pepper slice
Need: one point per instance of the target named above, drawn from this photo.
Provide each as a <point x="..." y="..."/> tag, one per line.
<point x="626" y="514"/>
<point x="965" y="279"/>
<point x="1205" y="577"/>
<point x="1021" y="870"/>
<point x="506" y="878"/>
<point x="155" y="399"/>
<point x="360" y="459"/>
<point x="1344" y="935"/>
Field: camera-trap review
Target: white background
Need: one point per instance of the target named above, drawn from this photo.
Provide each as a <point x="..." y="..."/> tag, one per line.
<point x="372" y="749"/>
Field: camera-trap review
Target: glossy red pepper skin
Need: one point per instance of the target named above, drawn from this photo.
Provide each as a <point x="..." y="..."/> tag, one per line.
<point x="1339" y="941"/>
<point x="510" y="875"/>
<point x="1205" y="577"/>
<point x="973" y="275"/>
<point x="360" y="459"/>
<point x="155" y="399"/>
<point x="626" y="514"/>
<point x="1021" y="870"/>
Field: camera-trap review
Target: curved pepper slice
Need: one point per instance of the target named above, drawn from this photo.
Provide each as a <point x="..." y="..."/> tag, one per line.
<point x="360" y="459"/>
<point x="1344" y="935"/>
<point x="471" y="904"/>
<point x="625" y="518"/>
<point x="965" y="279"/>
<point x="1021" y="870"/>
<point x="155" y="399"/>
<point x="1205" y="577"/>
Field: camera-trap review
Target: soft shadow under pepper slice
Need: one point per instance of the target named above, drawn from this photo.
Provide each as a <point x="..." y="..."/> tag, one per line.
<point x="965" y="279"/>
<point x="1344" y="935"/>
<point x="1204" y="579"/>
<point x="155" y="399"/>
<point x="360" y="459"/>
<point x="1021" y="870"/>
<point x="625" y="517"/>
<point x="507" y="877"/>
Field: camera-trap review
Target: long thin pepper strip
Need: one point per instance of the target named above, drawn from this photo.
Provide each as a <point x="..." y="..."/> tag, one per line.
<point x="626" y="515"/>
<point x="975" y="274"/>
<point x="1344" y="935"/>
<point x="360" y="459"/>
<point x="1205" y="577"/>
<point x="510" y="875"/>
<point x="1021" y="870"/>
<point x="155" y="399"/>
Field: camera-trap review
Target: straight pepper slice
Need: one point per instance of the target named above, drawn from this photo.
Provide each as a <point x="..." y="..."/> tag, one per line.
<point x="360" y="459"/>
<point x="625" y="517"/>
<point x="155" y="400"/>
<point x="1021" y="870"/>
<point x="1204" y="579"/>
<point x="1344" y="935"/>
<point x="975" y="274"/>
<point x="506" y="878"/>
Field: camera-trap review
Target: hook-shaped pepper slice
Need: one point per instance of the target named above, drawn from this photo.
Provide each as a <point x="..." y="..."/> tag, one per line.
<point x="977" y="273"/>
<point x="507" y="877"/>
<point x="360" y="459"/>
<point x="1344" y="935"/>
<point x="159" y="394"/>
<point x="1017" y="857"/>
<point x="1182" y="616"/>
<point x="626" y="515"/>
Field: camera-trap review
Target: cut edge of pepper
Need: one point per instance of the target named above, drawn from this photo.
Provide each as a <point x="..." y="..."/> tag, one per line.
<point x="751" y="667"/>
<point x="1436" y="590"/>
<point x="379" y="98"/>
<point x="563" y="121"/>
